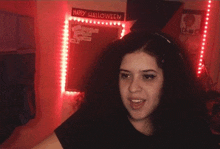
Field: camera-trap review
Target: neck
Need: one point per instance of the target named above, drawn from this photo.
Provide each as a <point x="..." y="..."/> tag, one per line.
<point x="143" y="126"/>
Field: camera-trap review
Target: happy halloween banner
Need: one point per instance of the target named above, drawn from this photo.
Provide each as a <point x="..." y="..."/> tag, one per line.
<point x="105" y="15"/>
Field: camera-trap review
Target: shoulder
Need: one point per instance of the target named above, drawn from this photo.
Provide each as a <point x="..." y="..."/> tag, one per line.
<point x="194" y="133"/>
<point x="91" y="133"/>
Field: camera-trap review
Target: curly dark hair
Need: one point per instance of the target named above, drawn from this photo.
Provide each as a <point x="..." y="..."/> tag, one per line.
<point x="182" y="97"/>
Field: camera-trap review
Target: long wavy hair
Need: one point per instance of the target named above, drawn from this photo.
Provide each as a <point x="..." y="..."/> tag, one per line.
<point x="182" y="94"/>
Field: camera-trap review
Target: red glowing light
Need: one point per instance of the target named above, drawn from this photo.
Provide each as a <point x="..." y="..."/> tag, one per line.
<point x="204" y="37"/>
<point x="64" y="52"/>
<point x="64" y="55"/>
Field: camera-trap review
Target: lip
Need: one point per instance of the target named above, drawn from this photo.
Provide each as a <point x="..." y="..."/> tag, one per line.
<point x="136" y="103"/>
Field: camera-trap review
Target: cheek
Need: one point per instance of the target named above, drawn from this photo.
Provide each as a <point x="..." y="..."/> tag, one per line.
<point x="154" y="92"/>
<point x="158" y="93"/>
<point x="122" y="89"/>
<point x="154" y="100"/>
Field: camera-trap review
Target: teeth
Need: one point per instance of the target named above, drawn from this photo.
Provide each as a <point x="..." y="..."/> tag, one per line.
<point x="136" y="100"/>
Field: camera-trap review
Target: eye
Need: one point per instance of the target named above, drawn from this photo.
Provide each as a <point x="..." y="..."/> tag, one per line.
<point x="124" y="75"/>
<point x="149" y="76"/>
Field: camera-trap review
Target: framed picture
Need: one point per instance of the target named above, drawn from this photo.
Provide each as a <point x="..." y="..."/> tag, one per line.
<point x="192" y="22"/>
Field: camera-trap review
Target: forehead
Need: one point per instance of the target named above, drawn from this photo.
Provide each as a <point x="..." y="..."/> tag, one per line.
<point x="139" y="60"/>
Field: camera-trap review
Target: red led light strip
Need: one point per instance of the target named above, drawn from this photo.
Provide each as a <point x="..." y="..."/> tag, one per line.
<point x="204" y="37"/>
<point x="64" y="53"/>
<point x="101" y="22"/>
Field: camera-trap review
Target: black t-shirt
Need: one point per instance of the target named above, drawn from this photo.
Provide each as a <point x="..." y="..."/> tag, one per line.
<point x="106" y="133"/>
<point x="116" y="132"/>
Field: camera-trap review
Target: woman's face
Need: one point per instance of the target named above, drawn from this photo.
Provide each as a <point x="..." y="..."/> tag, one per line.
<point x="140" y="84"/>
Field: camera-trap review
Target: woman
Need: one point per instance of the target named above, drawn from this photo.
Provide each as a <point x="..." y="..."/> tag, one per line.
<point x="142" y="94"/>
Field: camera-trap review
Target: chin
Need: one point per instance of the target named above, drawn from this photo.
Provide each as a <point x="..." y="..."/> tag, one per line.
<point x="138" y="116"/>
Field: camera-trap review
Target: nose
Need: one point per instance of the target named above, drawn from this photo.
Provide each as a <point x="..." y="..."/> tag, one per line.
<point x="134" y="86"/>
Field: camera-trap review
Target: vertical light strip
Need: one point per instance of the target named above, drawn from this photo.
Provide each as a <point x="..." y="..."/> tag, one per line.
<point x="64" y="55"/>
<point x="204" y="38"/>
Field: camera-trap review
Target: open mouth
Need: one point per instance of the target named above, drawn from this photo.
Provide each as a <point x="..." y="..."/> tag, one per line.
<point x="137" y="104"/>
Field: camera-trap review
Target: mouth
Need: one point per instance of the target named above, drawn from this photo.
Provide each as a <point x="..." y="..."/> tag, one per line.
<point x="136" y="104"/>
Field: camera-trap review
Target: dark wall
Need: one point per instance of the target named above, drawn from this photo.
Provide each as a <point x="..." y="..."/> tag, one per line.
<point x="17" y="97"/>
<point x="151" y="15"/>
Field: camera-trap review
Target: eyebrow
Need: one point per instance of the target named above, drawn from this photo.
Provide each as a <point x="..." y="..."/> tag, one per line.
<point x="124" y="70"/>
<point x="148" y="70"/>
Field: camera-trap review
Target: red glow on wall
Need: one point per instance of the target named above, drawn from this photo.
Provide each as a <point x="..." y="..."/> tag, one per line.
<point x="204" y="37"/>
<point x="65" y="42"/>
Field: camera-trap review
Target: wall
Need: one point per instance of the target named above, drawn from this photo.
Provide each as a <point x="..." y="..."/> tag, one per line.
<point x="211" y="55"/>
<point x="24" y="8"/>
<point x="52" y="106"/>
<point x="49" y="21"/>
<point x="216" y="65"/>
<point x="19" y="7"/>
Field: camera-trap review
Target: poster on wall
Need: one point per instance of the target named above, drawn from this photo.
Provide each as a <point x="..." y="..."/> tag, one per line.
<point x="86" y="43"/>
<point x="191" y="22"/>
<point x="191" y="25"/>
